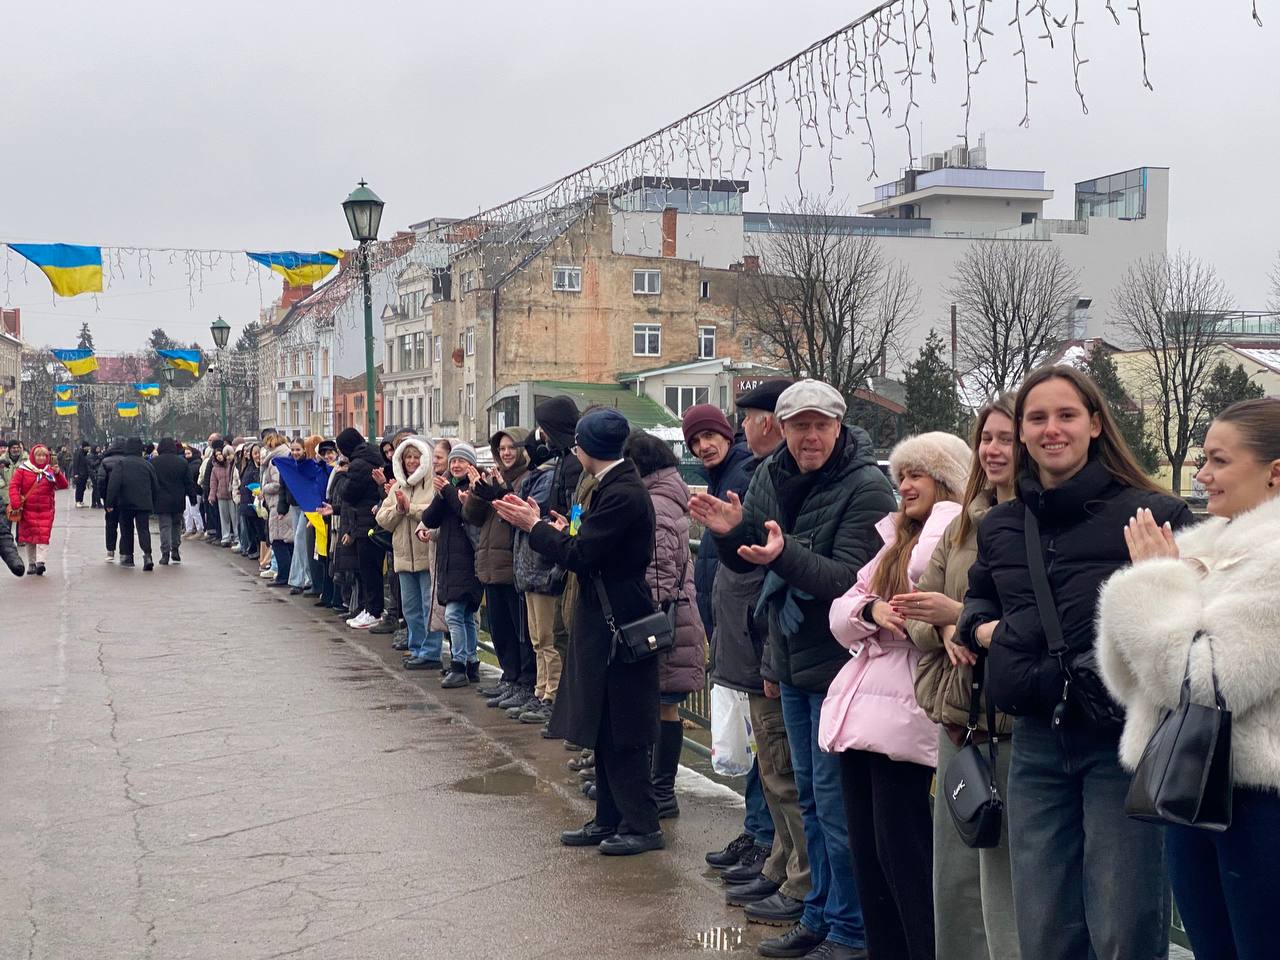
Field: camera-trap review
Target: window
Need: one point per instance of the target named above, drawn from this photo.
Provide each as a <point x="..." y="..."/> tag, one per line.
<point x="306" y="363"/>
<point x="389" y="355"/>
<point x="568" y="279"/>
<point x="324" y="362"/>
<point x="471" y="401"/>
<point x="647" y="340"/>
<point x="459" y="401"/>
<point x="470" y="346"/>
<point x="437" y="351"/>
<point x="419" y="422"/>
<point x="704" y="290"/>
<point x="706" y="343"/>
<point x="680" y="399"/>
<point x="646" y="281"/>
<point x="468" y="281"/>
<point x="406" y="352"/>
<point x="401" y="420"/>
<point x="434" y="412"/>
<point x="419" y="351"/>
<point x="284" y="413"/>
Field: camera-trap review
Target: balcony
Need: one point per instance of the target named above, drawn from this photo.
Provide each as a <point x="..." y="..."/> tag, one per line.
<point x="301" y="384"/>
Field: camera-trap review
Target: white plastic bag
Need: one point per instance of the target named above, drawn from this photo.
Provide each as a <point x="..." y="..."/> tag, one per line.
<point x="733" y="742"/>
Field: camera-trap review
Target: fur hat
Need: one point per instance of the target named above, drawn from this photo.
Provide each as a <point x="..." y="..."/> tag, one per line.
<point x="943" y="456"/>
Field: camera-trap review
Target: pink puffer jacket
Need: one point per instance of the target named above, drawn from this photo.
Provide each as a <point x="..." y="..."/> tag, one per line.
<point x="871" y="704"/>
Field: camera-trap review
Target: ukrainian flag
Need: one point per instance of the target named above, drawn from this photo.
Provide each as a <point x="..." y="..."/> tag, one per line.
<point x="70" y="269"/>
<point x="65" y="408"/>
<point x="147" y="389"/>
<point x="64" y="391"/>
<point x="127" y="408"/>
<point x="183" y="360"/>
<point x="77" y="362"/>
<point x="299" y="269"/>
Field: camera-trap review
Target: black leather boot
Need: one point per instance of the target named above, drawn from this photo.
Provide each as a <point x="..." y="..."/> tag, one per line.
<point x="666" y="762"/>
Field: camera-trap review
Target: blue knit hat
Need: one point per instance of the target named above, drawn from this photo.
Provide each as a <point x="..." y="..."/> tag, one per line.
<point x="602" y="433"/>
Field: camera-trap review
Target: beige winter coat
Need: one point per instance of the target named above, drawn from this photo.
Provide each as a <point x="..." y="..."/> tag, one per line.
<point x="1149" y="613"/>
<point x="410" y="555"/>
<point x="941" y="689"/>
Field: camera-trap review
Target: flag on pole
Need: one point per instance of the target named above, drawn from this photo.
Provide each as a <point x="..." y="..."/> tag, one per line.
<point x="299" y="269"/>
<point x="65" y="408"/>
<point x="147" y="389"/>
<point x="188" y="360"/>
<point x="71" y="269"/>
<point x="77" y="362"/>
<point x="65" y="391"/>
<point x="127" y="408"/>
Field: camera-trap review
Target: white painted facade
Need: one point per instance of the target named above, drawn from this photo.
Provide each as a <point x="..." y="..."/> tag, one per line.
<point x="713" y="240"/>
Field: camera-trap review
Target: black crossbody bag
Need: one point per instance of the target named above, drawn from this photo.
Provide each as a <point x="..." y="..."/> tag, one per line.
<point x="646" y="637"/>
<point x="1082" y="686"/>
<point x="972" y="794"/>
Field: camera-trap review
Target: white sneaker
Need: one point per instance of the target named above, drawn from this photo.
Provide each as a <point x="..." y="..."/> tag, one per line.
<point x="267" y="575"/>
<point x="351" y="621"/>
<point x="363" y="622"/>
<point x="111" y="556"/>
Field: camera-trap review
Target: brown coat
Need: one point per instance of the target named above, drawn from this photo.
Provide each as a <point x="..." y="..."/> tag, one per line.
<point x="941" y="689"/>
<point x="495" y="541"/>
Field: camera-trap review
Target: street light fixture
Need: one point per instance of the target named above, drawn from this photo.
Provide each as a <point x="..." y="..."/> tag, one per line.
<point x="221" y="331"/>
<point x="363" y="209"/>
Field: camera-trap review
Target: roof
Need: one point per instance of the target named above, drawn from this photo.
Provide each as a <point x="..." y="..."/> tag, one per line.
<point x="1269" y="357"/>
<point x="642" y="412"/>
<point x="717" y="363"/>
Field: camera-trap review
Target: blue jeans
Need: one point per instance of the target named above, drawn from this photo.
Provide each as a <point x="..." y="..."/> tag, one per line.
<point x="832" y="906"/>
<point x="300" y="565"/>
<point x="1088" y="881"/>
<point x="462" y="632"/>
<point x="1225" y="883"/>
<point x="758" y="821"/>
<point x="415" y="594"/>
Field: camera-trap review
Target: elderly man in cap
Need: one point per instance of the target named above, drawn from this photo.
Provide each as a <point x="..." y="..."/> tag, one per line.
<point x="809" y="520"/>
<point x="604" y="701"/>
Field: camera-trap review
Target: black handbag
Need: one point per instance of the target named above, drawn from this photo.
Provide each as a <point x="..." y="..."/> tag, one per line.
<point x="640" y="639"/>
<point x="972" y="794"/>
<point x="1184" y="776"/>
<point x="1083" y="692"/>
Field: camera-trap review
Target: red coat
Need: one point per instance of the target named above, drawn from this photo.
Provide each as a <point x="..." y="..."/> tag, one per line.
<point x="37" y="508"/>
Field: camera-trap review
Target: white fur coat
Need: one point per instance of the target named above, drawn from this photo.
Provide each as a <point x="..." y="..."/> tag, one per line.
<point x="1148" y="614"/>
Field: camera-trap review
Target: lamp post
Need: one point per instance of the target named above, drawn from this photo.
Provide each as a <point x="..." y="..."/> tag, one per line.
<point x="221" y="331"/>
<point x="364" y="214"/>
<point x="169" y="373"/>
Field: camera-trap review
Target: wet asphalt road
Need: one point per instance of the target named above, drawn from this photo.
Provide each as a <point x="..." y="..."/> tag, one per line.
<point x="195" y="765"/>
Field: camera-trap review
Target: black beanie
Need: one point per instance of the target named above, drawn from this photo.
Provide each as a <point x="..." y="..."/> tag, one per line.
<point x="348" y="440"/>
<point x="557" y="417"/>
<point x="603" y="433"/>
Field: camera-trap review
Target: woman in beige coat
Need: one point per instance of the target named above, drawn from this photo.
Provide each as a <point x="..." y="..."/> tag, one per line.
<point x="410" y="494"/>
<point x="972" y="890"/>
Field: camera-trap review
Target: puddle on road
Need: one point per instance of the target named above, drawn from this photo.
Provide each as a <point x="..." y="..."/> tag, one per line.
<point x="501" y="783"/>
<point x="720" y="939"/>
<point x="417" y="706"/>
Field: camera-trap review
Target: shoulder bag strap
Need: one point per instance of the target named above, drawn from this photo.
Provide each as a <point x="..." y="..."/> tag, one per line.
<point x="1040" y="582"/>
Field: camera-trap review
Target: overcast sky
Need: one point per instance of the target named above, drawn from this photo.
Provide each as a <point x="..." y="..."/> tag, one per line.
<point x="243" y="125"/>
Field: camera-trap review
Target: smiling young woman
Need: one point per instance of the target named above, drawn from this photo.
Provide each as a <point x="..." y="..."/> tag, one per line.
<point x="1078" y="484"/>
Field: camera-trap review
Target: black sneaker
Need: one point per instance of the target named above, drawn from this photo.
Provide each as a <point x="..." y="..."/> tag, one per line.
<point x="536" y="711"/>
<point x="830" y="950"/>
<point x="126" y="561"/>
<point x="454" y="679"/>
<point x="147" y="565"/>
<point x="164" y="559"/>
<point x="778" y="910"/>
<point x="39" y="569"/>
<point x="518" y="698"/>
<point x="796" y="942"/>
<point x="491" y="690"/>
<point x="385" y="625"/>
<point x="176" y="557"/>
<point x="732" y="852"/>
<point x="413" y="663"/>
<point x="749" y="867"/>
<point x="505" y="690"/>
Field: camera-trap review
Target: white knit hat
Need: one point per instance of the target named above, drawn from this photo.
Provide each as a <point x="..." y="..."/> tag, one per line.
<point x="943" y="456"/>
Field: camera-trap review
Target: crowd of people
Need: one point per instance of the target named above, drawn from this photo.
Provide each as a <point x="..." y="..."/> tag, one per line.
<point x="1029" y="594"/>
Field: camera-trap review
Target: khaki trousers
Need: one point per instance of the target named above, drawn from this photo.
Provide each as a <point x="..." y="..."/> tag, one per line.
<point x="788" y="863"/>
<point x="542" y="619"/>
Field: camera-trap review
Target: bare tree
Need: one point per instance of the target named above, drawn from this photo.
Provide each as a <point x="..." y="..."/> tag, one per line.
<point x="827" y="303"/>
<point x="1013" y="300"/>
<point x="1273" y="302"/>
<point x="1168" y="308"/>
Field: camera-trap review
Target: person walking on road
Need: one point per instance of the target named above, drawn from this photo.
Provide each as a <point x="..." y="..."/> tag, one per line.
<point x="111" y="518"/>
<point x="132" y="493"/>
<point x="809" y="519"/>
<point x="31" y="493"/>
<point x="177" y="489"/>
<point x="80" y="472"/>
<point x="605" y="701"/>
<point x="10" y="460"/>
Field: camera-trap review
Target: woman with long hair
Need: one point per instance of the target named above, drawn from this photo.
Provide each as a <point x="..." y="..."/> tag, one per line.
<point x="248" y="481"/>
<point x="1203" y="604"/>
<point x="1089" y="881"/>
<point x="888" y="747"/>
<point x="972" y="890"/>
<point x="220" y="494"/>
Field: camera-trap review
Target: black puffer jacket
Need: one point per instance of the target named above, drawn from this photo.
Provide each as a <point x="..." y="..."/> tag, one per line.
<point x="362" y="493"/>
<point x="110" y="457"/>
<point x="455" y="571"/>
<point x="1082" y="531"/>
<point x="558" y="419"/>
<point x="832" y="535"/>
<point x="174" y="478"/>
<point x="133" y="484"/>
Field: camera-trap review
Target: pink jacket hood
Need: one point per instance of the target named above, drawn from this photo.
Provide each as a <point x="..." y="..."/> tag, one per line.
<point x="871" y="704"/>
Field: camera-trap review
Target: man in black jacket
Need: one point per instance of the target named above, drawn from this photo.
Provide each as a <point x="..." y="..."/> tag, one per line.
<point x="604" y="701"/>
<point x="110" y="457"/>
<point x="176" y="489"/>
<point x="9" y="552"/>
<point x="809" y="519"/>
<point x="132" y="492"/>
<point x="80" y="472"/>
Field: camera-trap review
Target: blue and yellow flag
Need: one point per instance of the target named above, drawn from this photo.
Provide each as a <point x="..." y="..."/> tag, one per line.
<point x="64" y="391"/>
<point x="77" y="362"/>
<point x="127" y="408"/>
<point x="70" y="269"/>
<point x="188" y="360"/>
<point x="147" y="389"/>
<point x="299" y="269"/>
<point x="65" y="408"/>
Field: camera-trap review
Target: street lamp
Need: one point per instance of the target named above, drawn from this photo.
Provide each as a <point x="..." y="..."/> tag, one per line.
<point x="364" y="214"/>
<point x="169" y="373"/>
<point x="221" y="331"/>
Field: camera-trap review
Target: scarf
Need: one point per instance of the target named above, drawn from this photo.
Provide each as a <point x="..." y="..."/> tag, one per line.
<point x="582" y="497"/>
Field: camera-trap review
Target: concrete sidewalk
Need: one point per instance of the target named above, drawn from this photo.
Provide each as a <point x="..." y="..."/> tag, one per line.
<point x="197" y="766"/>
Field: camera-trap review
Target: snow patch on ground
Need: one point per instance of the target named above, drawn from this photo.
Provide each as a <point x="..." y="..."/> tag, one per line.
<point x="691" y="783"/>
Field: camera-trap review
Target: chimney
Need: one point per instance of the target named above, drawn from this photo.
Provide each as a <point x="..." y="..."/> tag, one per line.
<point x="292" y="295"/>
<point x="669" y="232"/>
<point x="11" y="322"/>
<point x="751" y="263"/>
